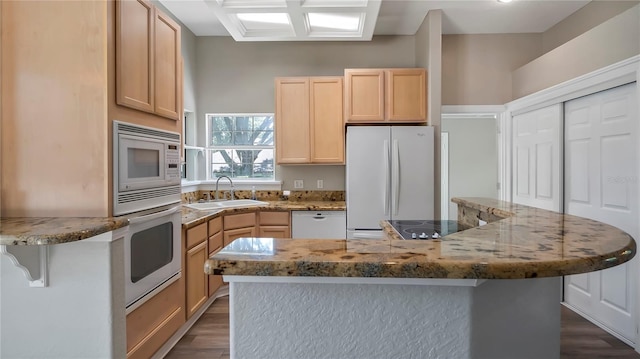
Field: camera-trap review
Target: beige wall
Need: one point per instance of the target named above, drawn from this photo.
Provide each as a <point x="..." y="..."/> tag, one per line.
<point x="239" y="77"/>
<point x="54" y="106"/>
<point x="586" y="18"/>
<point x="428" y="44"/>
<point x="612" y="41"/>
<point x="476" y="69"/>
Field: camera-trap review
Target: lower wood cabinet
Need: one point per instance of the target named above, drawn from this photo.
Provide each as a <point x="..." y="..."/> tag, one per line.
<point x="274" y="224"/>
<point x="232" y="234"/>
<point x="216" y="243"/>
<point x="154" y="322"/>
<point x="239" y="225"/>
<point x="196" y="253"/>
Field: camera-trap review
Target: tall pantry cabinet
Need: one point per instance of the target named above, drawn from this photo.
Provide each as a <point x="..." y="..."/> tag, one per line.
<point x="58" y="104"/>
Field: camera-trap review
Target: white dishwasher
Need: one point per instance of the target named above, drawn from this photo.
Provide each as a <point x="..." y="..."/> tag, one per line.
<point x="318" y="224"/>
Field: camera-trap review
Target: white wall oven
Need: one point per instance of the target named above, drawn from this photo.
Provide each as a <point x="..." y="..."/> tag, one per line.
<point x="146" y="183"/>
<point x="152" y="253"/>
<point x="146" y="168"/>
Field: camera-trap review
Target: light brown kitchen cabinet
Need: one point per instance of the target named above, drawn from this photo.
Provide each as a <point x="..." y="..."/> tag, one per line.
<point x="309" y="120"/>
<point x="196" y="280"/>
<point x="239" y="225"/>
<point x="364" y="95"/>
<point x="274" y="224"/>
<point x="292" y="120"/>
<point x="385" y="95"/>
<point x="215" y="244"/>
<point x="150" y="325"/>
<point x="326" y="120"/>
<point x="148" y="73"/>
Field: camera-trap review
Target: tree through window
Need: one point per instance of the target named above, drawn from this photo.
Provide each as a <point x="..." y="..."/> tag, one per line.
<point x="241" y="146"/>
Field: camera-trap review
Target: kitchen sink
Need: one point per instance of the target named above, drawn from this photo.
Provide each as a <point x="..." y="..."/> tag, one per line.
<point x="213" y="205"/>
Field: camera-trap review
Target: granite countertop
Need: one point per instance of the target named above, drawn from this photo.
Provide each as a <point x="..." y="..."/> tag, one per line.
<point x="193" y="217"/>
<point x="519" y="242"/>
<point x="55" y="230"/>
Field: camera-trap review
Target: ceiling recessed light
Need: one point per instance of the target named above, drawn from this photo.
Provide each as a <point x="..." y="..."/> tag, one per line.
<point x="504" y="1"/>
<point x="334" y="21"/>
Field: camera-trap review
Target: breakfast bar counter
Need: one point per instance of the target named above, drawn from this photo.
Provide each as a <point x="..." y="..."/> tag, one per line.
<point x="491" y="291"/>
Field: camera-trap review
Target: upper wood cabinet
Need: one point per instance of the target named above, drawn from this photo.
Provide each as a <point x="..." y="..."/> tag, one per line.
<point x="148" y="65"/>
<point x="364" y="95"/>
<point x="385" y="95"/>
<point x="309" y="120"/>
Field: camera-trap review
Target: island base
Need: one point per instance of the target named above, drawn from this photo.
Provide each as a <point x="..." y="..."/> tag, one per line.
<point x="286" y="317"/>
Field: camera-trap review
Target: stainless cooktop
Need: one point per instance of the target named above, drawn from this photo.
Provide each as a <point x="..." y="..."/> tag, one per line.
<point x="426" y="229"/>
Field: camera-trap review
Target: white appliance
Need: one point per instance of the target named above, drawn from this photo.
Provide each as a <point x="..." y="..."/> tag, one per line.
<point x="146" y="168"/>
<point x="389" y="176"/>
<point x="318" y="225"/>
<point x="152" y="249"/>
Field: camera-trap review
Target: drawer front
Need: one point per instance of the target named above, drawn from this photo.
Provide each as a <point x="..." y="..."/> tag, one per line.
<point x="162" y="313"/>
<point x="196" y="235"/>
<point x="234" y="221"/>
<point x="215" y="226"/>
<point x="215" y="243"/>
<point x="274" y="218"/>
<point x="229" y="236"/>
<point x="274" y="232"/>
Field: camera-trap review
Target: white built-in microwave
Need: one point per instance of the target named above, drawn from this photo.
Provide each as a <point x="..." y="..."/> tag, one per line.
<point x="146" y="168"/>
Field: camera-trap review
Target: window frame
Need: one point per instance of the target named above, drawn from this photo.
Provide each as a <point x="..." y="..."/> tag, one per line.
<point x="209" y="148"/>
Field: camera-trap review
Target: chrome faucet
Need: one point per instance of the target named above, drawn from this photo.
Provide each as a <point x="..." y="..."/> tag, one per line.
<point x="230" y="181"/>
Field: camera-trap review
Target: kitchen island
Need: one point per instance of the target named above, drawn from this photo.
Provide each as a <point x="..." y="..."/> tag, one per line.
<point x="486" y="292"/>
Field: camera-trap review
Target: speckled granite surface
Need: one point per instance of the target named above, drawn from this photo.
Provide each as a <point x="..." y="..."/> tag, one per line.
<point x="192" y="217"/>
<point x="54" y="230"/>
<point x="527" y="243"/>
<point x="294" y="196"/>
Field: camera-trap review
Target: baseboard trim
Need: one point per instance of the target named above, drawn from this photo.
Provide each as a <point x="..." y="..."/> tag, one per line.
<point x="223" y="291"/>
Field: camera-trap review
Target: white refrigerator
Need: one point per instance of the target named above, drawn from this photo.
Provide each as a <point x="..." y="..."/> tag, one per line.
<point x="389" y="176"/>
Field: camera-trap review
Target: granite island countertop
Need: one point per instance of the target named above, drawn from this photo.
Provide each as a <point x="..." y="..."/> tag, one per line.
<point x="519" y="242"/>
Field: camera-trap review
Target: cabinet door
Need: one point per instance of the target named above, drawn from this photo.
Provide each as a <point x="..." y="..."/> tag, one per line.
<point x="215" y="244"/>
<point x="197" y="292"/>
<point x="275" y="232"/>
<point x="134" y="54"/>
<point x="326" y="116"/>
<point x="405" y="95"/>
<point x="230" y="235"/>
<point x="364" y="95"/>
<point x="167" y="67"/>
<point x="215" y="282"/>
<point x="292" y="120"/>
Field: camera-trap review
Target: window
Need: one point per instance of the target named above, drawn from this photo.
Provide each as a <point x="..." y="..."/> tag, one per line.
<point x="241" y="146"/>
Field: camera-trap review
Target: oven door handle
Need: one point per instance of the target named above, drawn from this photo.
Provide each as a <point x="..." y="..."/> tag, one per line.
<point x="152" y="216"/>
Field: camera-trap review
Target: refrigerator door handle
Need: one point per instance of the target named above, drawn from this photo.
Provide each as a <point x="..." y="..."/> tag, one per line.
<point x="387" y="175"/>
<point x="396" y="177"/>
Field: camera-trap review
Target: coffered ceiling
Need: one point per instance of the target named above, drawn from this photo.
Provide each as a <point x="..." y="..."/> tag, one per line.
<point x="302" y="20"/>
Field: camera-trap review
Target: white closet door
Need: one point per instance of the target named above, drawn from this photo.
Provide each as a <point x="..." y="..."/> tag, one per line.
<point x="601" y="183"/>
<point x="537" y="159"/>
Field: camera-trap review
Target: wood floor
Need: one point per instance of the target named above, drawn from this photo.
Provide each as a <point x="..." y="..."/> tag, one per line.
<point x="209" y="338"/>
